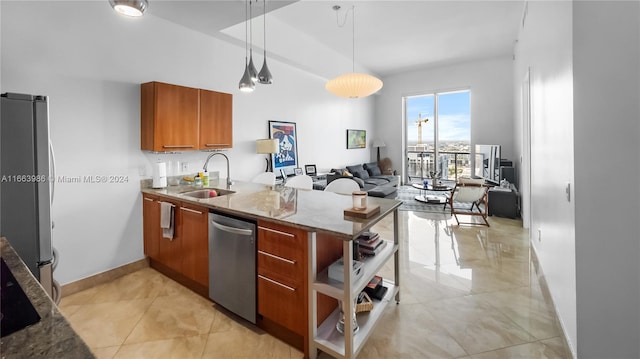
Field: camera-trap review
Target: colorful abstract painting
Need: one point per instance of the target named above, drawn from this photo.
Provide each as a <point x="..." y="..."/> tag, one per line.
<point x="287" y="157"/>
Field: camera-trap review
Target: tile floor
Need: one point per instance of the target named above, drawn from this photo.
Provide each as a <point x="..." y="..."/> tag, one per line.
<point x="466" y="292"/>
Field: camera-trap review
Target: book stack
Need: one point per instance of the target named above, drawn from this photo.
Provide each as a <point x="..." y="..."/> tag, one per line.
<point x="375" y="289"/>
<point x="370" y="243"/>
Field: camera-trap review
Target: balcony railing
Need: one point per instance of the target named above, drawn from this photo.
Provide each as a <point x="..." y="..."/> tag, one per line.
<point x="451" y="165"/>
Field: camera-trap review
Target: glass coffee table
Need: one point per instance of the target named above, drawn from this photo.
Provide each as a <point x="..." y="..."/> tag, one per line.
<point x="437" y="198"/>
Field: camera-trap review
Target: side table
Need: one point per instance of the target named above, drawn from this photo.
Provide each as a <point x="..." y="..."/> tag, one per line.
<point x="503" y="203"/>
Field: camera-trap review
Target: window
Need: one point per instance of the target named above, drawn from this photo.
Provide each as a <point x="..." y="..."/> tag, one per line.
<point x="438" y="135"/>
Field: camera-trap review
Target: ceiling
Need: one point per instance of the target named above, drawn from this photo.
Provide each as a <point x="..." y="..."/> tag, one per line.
<point x="390" y="36"/>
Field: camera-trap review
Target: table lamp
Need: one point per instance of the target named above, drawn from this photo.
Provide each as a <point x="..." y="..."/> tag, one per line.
<point x="378" y="143"/>
<point x="268" y="147"/>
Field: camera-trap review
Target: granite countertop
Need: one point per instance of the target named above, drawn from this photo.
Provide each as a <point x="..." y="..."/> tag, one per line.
<point x="310" y="210"/>
<point x="52" y="336"/>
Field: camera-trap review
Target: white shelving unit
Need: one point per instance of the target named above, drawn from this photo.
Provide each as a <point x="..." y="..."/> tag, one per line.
<point x="326" y="337"/>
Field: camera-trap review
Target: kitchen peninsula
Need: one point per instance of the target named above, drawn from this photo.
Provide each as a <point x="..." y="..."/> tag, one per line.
<point x="300" y="233"/>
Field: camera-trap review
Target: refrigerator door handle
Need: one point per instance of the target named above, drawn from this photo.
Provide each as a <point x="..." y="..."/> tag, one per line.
<point x="54" y="261"/>
<point x="52" y="174"/>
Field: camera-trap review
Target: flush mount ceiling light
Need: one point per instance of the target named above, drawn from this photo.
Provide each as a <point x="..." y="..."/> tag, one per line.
<point x="354" y="84"/>
<point x="133" y="8"/>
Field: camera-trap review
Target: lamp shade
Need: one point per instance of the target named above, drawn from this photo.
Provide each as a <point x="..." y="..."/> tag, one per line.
<point x="129" y="7"/>
<point x="267" y="146"/>
<point x="354" y="85"/>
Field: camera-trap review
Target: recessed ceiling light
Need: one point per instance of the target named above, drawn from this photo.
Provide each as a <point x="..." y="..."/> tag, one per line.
<point x="133" y="8"/>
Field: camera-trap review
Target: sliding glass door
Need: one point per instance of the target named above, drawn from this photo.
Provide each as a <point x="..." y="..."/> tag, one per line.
<point x="438" y="135"/>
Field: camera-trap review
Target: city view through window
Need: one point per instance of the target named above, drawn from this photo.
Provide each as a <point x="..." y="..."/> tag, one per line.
<point x="438" y="135"/>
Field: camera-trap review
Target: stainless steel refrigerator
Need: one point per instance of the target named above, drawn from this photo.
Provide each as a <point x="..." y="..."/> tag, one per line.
<point x="27" y="183"/>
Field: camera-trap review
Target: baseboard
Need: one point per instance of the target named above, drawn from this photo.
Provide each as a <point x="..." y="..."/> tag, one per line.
<point x="547" y="294"/>
<point x="104" y="277"/>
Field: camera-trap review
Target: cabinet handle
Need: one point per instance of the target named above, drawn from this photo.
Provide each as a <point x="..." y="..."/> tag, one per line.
<point x="148" y="199"/>
<point x="216" y="144"/>
<point x="178" y="146"/>
<point x="276" y="231"/>
<point x="276" y="283"/>
<point x="277" y="257"/>
<point x="190" y="210"/>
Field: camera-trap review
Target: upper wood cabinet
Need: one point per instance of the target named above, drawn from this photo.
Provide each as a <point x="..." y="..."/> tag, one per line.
<point x="179" y="118"/>
<point x="216" y="127"/>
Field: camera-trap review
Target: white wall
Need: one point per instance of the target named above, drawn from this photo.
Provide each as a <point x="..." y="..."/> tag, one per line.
<point x="490" y="82"/>
<point x="606" y="52"/>
<point x="544" y="46"/>
<point x="90" y="62"/>
<point x="584" y="60"/>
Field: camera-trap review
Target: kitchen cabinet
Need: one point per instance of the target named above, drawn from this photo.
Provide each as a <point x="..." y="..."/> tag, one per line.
<point x="179" y="118"/>
<point x="183" y="258"/>
<point x="194" y="232"/>
<point x="169" y="116"/>
<point x="281" y="275"/>
<point x="216" y="127"/>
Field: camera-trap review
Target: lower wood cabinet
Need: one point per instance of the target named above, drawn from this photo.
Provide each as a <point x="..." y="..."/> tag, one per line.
<point x="185" y="257"/>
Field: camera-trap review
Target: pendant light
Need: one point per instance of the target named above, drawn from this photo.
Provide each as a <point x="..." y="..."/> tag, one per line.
<point x="133" y="8"/>
<point x="252" y="68"/>
<point x="246" y="83"/>
<point x="265" y="77"/>
<point x="353" y="85"/>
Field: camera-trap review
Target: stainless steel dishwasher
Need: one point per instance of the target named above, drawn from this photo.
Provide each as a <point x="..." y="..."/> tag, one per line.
<point x="232" y="264"/>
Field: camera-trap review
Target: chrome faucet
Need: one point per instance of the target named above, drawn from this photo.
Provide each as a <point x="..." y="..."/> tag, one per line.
<point x="206" y="163"/>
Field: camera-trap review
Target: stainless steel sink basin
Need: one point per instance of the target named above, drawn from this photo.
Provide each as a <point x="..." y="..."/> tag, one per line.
<point x="206" y="193"/>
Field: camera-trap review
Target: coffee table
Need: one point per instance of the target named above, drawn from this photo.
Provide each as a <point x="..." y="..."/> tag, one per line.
<point x="436" y="199"/>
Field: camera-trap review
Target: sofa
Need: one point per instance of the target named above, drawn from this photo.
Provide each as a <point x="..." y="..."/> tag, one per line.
<point x="369" y="177"/>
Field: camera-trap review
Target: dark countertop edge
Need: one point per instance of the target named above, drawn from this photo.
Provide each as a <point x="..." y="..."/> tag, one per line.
<point x="174" y="194"/>
<point x="52" y="336"/>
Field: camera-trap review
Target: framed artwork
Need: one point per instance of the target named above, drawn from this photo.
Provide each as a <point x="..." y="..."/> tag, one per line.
<point x="297" y="171"/>
<point x="356" y="139"/>
<point x="310" y="170"/>
<point x="286" y="160"/>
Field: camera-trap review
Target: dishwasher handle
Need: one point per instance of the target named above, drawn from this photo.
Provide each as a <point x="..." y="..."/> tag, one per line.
<point x="234" y="230"/>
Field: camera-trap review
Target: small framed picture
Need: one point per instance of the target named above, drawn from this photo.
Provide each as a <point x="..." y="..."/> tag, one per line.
<point x="297" y="171"/>
<point x="310" y="170"/>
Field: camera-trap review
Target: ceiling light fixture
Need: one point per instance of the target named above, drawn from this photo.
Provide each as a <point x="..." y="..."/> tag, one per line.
<point x="265" y="77"/>
<point x="353" y="85"/>
<point x="246" y="83"/>
<point x="133" y="8"/>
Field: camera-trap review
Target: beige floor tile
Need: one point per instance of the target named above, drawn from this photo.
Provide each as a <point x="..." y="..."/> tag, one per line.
<point x="108" y="324"/>
<point x="174" y="316"/>
<point x="183" y="348"/>
<point x="241" y="342"/>
<point x="143" y="284"/>
<point x="105" y="353"/>
<point x="79" y="298"/>
<point x="535" y="350"/>
<point x="476" y="325"/>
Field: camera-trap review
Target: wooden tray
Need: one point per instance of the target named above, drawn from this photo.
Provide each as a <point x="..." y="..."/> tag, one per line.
<point x="364" y="213"/>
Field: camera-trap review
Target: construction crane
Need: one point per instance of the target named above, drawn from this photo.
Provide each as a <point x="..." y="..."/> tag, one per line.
<point x="420" y="121"/>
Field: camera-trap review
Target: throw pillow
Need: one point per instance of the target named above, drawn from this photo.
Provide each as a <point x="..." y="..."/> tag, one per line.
<point x="361" y="174"/>
<point x="347" y="174"/>
<point x="374" y="170"/>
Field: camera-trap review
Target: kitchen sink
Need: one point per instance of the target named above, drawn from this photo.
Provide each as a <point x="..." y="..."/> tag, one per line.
<point x="206" y="193"/>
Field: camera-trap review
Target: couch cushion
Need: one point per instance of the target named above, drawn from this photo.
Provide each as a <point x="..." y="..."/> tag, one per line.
<point x="372" y="168"/>
<point x="376" y="181"/>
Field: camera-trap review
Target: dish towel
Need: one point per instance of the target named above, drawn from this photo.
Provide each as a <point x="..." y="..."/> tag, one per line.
<point x="166" y="219"/>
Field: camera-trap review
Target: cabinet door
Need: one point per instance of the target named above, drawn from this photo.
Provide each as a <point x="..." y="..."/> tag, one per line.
<point x="151" y="226"/>
<point x="216" y="127"/>
<point x="169" y="117"/>
<point x="283" y="304"/>
<point x="195" y="243"/>
<point x="170" y="249"/>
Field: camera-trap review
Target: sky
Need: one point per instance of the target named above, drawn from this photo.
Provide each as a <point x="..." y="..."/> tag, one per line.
<point x="453" y="116"/>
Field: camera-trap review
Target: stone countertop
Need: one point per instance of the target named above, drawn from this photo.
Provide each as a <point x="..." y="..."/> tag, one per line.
<point x="52" y="336"/>
<point x="310" y="210"/>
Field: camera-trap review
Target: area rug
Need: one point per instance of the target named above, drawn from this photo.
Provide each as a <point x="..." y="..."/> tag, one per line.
<point x="407" y="195"/>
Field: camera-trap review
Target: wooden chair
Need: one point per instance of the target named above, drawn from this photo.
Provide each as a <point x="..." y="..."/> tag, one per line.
<point x="469" y="197"/>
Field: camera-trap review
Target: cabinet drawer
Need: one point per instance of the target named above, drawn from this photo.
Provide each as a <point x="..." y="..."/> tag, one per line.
<point x="279" y="243"/>
<point x="281" y="269"/>
<point x="282" y="304"/>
